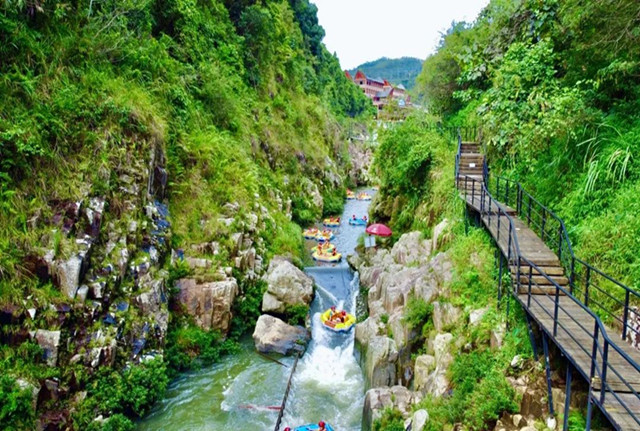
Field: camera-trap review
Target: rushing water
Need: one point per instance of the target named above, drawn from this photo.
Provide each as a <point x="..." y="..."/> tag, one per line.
<point x="243" y="391"/>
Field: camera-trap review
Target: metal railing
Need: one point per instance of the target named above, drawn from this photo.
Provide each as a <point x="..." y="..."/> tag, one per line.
<point x="610" y="366"/>
<point x="612" y="300"/>
<point x="612" y="371"/>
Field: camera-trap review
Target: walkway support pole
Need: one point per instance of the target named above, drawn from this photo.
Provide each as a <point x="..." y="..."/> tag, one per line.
<point x="547" y="367"/>
<point x="567" y="398"/>
<point x="286" y="393"/>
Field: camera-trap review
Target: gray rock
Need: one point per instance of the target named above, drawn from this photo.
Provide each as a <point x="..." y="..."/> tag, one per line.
<point x="419" y="420"/>
<point x="411" y="248"/>
<point x="82" y="293"/>
<point x="286" y="285"/>
<point x="194" y="262"/>
<point x="444" y="315"/>
<point x="49" y="341"/>
<point x="272" y="335"/>
<point x="424" y="366"/>
<point x="68" y="275"/>
<point x="380" y="362"/>
<point x="476" y="316"/>
<point x="438" y="236"/>
<point x="376" y="400"/>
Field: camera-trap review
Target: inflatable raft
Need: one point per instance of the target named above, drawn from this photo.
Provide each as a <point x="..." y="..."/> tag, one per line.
<point x="337" y="326"/>
<point x="325" y="235"/>
<point x="324" y="248"/>
<point x="332" y="222"/>
<point x="364" y="197"/>
<point x="350" y="195"/>
<point x="313" y="427"/>
<point x="326" y="257"/>
<point x="311" y="233"/>
<point x="357" y="222"/>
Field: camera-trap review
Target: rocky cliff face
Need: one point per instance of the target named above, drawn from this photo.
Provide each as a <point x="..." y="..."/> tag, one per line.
<point x="399" y="372"/>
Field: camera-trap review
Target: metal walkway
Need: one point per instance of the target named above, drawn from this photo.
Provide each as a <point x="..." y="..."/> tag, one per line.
<point x="565" y="296"/>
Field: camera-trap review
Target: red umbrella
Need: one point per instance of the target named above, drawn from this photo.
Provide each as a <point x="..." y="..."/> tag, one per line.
<point x="378" y="229"/>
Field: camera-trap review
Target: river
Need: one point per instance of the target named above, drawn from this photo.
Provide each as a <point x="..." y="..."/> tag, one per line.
<point x="243" y="391"/>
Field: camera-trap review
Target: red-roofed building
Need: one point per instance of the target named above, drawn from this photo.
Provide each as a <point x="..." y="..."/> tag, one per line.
<point x="380" y="91"/>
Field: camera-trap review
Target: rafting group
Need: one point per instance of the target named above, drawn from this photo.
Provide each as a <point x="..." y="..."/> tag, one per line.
<point x="320" y="426"/>
<point x="362" y="196"/>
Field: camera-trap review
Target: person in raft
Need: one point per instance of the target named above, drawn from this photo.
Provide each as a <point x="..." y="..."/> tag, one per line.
<point x="321" y="426"/>
<point x="332" y="313"/>
<point x="353" y="216"/>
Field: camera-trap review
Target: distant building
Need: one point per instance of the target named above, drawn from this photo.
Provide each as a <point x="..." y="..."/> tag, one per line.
<point x="380" y="91"/>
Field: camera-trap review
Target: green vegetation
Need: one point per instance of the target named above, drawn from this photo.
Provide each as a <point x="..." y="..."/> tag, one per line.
<point x="391" y="420"/>
<point x="239" y="103"/>
<point x="131" y="393"/>
<point x="415" y="166"/>
<point x="16" y="411"/>
<point x="398" y="71"/>
<point x="554" y="87"/>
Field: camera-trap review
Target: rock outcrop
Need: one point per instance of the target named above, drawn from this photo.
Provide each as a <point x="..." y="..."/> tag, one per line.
<point x="286" y="285"/>
<point x="378" y="399"/>
<point x="209" y="303"/>
<point x="272" y="335"/>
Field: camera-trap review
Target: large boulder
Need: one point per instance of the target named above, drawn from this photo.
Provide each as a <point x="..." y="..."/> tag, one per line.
<point x="286" y="285"/>
<point x="49" y="341"/>
<point x="380" y="357"/>
<point x="378" y="399"/>
<point x="274" y="335"/>
<point x="209" y="303"/>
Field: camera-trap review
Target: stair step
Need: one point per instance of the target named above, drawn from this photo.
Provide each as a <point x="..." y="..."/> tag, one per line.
<point x="541" y="280"/>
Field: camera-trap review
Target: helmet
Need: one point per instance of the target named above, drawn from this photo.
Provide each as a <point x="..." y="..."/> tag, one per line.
<point x="287" y="429"/>
<point x="333" y="307"/>
<point x="344" y="313"/>
<point x="321" y="423"/>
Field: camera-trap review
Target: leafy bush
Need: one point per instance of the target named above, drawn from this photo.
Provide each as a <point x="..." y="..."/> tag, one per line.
<point x="191" y="347"/>
<point x="391" y="420"/>
<point x="16" y="410"/>
<point x="296" y="314"/>
<point x="130" y="393"/>
<point x="417" y="313"/>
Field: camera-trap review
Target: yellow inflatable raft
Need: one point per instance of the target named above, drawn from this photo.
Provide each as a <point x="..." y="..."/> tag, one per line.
<point x="332" y="222"/>
<point x="325" y="235"/>
<point x="311" y="233"/>
<point x="324" y="248"/>
<point x="326" y="257"/>
<point x="364" y="197"/>
<point x="350" y="195"/>
<point x="335" y="324"/>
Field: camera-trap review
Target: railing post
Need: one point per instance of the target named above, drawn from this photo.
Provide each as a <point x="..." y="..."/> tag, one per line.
<point x="473" y="192"/>
<point x="586" y="286"/>
<point x="498" y="239"/>
<point x="519" y="200"/>
<point x="544" y="222"/>
<point x="560" y="242"/>
<point x="529" y="212"/>
<point x="625" y="318"/>
<point x="506" y="193"/>
<point x="530" y="278"/>
<point x="594" y="353"/>
<point x="572" y="274"/>
<point x="603" y="377"/>
<point x="555" y="312"/>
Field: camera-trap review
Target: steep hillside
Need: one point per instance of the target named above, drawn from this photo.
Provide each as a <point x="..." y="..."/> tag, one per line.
<point x="398" y="71"/>
<point x="554" y="87"/>
<point x="144" y="143"/>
